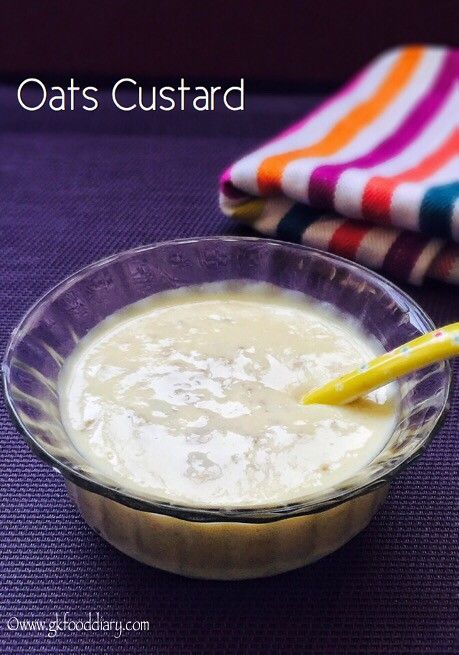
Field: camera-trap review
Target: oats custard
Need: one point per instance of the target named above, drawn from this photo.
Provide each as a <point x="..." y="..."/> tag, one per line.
<point x="192" y="397"/>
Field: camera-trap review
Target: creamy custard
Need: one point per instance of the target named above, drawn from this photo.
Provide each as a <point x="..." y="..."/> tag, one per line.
<point x="193" y="397"/>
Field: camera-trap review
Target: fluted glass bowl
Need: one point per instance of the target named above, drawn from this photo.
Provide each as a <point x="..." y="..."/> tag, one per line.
<point x="54" y="325"/>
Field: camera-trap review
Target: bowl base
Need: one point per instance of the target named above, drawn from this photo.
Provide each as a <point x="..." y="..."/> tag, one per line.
<point x="225" y="550"/>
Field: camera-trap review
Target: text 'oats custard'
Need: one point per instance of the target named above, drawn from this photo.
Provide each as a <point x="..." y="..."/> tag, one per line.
<point x="193" y="397"/>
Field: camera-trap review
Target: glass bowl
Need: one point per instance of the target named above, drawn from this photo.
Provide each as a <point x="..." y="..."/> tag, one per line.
<point x="215" y="542"/>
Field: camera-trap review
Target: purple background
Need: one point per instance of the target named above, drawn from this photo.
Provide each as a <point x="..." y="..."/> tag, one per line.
<point x="76" y="187"/>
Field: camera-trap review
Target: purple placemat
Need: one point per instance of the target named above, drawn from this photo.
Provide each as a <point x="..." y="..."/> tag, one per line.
<point x="76" y="187"/>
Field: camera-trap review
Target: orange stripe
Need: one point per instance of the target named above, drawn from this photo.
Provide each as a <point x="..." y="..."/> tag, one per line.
<point x="347" y="239"/>
<point x="377" y="196"/>
<point x="271" y="169"/>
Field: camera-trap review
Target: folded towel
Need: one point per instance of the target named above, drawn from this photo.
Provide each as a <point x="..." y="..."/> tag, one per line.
<point x="372" y="174"/>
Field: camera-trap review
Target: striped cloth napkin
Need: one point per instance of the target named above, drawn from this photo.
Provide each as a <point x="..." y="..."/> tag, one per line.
<point x="372" y="174"/>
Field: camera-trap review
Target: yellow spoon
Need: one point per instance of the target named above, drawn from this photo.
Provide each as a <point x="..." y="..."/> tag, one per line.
<point x="431" y="347"/>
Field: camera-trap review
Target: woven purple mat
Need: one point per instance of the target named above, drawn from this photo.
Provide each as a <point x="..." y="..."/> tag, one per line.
<point x="76" y="187"/>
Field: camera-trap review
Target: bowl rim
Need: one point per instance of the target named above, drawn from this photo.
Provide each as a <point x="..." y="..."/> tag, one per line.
<point x="258" y="514"/>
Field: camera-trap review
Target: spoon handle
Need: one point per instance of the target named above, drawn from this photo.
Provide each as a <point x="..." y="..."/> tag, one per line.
<point x="435" y="346"/>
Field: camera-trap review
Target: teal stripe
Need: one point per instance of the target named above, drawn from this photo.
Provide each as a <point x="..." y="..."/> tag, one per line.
<point x="437" y="208"/>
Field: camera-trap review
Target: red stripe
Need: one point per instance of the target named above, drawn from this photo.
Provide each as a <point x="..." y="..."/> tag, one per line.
<point x="347" y="238"/>
<point x="377" y="199"/>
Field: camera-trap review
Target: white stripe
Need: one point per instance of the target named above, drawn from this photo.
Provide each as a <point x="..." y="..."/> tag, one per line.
<point x="319" y="233"/>
<point x="424" y="261"/>
<point x="406" y="204"/>
<point x="273" y="212"/>
<point x="375" y="245"/>
<point x="349" y="193"/>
